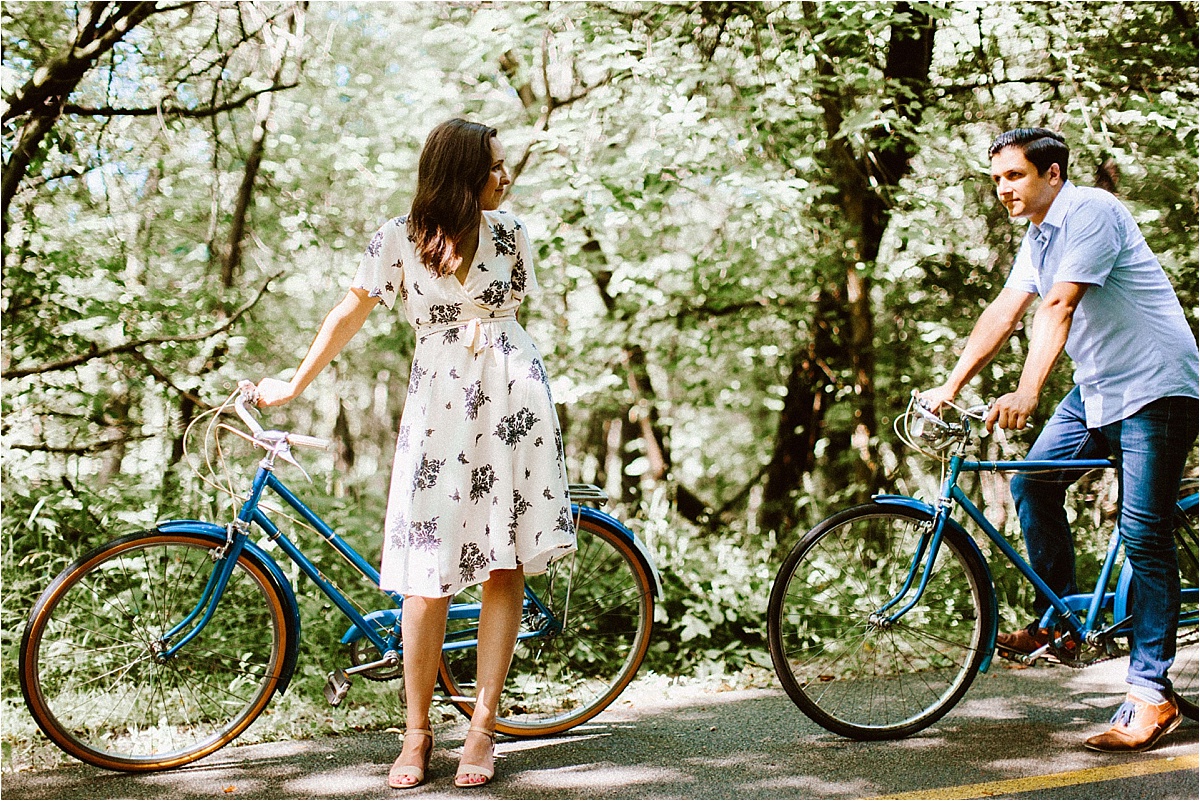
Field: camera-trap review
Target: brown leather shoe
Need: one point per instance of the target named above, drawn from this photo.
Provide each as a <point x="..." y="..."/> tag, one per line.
<point x="1137" y="726"/>
<point x="1025" y="641"/>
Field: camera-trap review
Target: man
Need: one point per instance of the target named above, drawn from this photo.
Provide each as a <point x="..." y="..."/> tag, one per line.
<point x="1105" y="300"/>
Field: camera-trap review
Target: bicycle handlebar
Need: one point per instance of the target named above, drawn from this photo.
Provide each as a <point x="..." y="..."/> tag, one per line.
<point x="248" y="393"/>
<point x="923" y="424"/>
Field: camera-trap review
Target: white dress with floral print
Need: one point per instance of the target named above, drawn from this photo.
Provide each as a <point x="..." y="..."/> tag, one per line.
<point x="478" y="482"/>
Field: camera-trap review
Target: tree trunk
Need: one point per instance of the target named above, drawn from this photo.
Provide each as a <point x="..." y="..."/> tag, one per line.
<point x="258" y="145"/>
<point x="863" y="185"/>
<point x="801" y="422"/>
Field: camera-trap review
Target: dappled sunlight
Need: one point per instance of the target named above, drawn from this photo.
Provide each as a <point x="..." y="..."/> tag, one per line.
<point x="757" y="229"/>
<point x="591" y="778"/>
<point x="343" y="781"/>
<point x="515" y="746"/>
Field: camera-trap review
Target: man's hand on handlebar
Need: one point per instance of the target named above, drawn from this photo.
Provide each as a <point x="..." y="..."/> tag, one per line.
<point x="934" y="399"/>
<point x="1012" y="411"/>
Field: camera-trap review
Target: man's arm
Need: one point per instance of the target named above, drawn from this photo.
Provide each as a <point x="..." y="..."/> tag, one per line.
<point x="991" y="331"/>
<point x="1051" y="325"/>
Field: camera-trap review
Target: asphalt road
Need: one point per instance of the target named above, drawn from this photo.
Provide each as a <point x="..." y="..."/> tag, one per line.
<point x="1018" y="731"/>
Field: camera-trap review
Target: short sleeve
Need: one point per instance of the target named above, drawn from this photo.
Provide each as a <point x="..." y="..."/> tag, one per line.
<point x="524" y="278"/>
<point x="1023" y="277"/>
<point x="1092" y="244"/>
<point x="381" y="268"/>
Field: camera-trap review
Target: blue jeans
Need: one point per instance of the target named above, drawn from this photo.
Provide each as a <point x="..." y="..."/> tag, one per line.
<point x="1151" y="447"/>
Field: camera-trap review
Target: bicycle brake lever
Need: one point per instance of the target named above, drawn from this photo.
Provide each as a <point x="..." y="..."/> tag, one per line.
<point x="285" y="454"/>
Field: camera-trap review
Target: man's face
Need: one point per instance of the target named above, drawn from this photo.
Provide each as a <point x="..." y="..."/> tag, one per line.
<point x="1024" y="192"/>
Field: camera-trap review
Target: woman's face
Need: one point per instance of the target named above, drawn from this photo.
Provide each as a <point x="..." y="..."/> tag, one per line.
<point x="497" y="180"/>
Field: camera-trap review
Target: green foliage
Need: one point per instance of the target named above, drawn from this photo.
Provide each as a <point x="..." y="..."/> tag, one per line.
<point x="712" y="618"/>
<point x="680" y="195"/>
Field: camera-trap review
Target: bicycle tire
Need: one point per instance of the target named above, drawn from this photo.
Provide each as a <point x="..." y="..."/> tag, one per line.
<point x="604" y="595"/>
<point x="1184" y="670"/>
<point x="852" y="676"/>
<point x="88" y="671"/>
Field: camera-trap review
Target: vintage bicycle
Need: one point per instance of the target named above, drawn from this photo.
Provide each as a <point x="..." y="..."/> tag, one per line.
<point x="160" y="647"/>
<point x="881" y="616"/>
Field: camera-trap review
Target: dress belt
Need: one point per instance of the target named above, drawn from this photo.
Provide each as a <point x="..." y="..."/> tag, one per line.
<point x="477" y="339"/>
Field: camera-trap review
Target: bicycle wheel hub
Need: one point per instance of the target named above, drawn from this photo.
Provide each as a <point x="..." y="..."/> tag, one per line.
<point x="879" y="621"/>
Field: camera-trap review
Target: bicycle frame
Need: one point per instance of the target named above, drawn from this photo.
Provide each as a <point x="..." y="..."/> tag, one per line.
<point x="1066" y="609"/>
<point x="371" y="624"/>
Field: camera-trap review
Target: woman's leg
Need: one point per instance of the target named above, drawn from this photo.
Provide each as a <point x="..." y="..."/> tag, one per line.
<point x="423" y="629"/>
<point x="499" y="621"/>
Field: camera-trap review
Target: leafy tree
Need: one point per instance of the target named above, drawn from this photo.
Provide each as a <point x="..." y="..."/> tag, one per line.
<point x="759" y="226"/>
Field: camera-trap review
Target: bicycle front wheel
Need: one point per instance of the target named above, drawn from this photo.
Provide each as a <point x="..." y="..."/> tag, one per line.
<point x="1187" y="639"/>
<point x="574" y="659"/>
<point x="837" y="652"/>
<point x="91" y="667"/>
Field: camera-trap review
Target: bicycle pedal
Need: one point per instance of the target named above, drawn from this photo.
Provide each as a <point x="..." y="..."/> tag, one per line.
<point x="336" y="687"/>
<point x="1023" y="659"/>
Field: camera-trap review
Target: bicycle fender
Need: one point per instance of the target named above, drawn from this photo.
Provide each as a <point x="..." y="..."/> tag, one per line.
<point x="282" y="586"/>
<point x="920" y="506"/>
<point x="610" y="522"/>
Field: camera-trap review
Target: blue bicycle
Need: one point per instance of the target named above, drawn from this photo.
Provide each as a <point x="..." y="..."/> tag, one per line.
<point x="882" y="615"/>
<point x="161" y="647"/>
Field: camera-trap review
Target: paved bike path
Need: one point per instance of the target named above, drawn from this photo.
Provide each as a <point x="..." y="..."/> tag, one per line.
<point x="1018" y="731"/>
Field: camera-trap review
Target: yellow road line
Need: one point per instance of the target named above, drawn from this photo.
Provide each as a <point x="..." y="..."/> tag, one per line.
<point x="1073" y="777"/>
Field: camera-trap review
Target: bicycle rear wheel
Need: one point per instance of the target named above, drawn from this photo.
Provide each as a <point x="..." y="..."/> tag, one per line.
<point x="1187" y="639"/>
<point x="89" y="668"/>
<point x="602" y="597"/>
<point x="843" y="664"/>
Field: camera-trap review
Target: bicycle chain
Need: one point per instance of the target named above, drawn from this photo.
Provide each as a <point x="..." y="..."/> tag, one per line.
<point x="1062" y="655"/>
<point x="1079" y="664"/>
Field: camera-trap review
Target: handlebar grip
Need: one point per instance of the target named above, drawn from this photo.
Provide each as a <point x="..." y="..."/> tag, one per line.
<point x="239" y="406"/>
<point x="310" y="442"/>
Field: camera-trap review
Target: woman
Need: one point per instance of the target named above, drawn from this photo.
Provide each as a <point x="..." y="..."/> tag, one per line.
<point x="479" y="489"/>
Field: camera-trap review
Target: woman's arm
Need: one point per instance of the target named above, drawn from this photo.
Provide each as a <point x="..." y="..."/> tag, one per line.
<point x="339" y="327"/>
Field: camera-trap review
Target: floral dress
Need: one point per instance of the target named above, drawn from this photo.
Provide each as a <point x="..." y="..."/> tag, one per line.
<point x="479" y="481"/>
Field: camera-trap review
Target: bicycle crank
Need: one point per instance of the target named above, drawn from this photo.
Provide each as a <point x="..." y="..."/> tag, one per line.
<point x="1092" y="651"/>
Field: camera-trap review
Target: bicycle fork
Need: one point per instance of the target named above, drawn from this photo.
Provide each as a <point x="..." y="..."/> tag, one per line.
<point x="224" y="558"/>
<point x="924" y="555"/>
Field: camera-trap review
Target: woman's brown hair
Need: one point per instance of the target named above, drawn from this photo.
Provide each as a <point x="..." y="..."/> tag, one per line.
<point x="451" y="173"/>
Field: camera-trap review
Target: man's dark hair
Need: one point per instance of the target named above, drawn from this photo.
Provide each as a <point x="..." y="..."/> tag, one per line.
<point x="1041" y="146"/>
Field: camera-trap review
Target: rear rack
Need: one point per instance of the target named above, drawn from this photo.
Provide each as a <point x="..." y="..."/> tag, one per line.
<point x="587" y="493"/>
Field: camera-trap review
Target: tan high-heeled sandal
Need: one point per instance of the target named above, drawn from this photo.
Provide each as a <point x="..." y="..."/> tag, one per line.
<point x="415" y="772"/>
<point x="465" y="770"/>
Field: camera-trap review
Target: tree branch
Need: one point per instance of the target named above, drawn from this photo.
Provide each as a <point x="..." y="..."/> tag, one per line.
<point x="128" y="347"/>
<point x="45" y="93"/>
<point x="75" y="450"/>
<point x="162" y="378"/>
<point x="62" y="73"/>
<point x="174" y="111"/>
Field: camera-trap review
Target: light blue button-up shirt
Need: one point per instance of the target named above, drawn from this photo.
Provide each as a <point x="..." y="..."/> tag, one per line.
<point x="1129" y="339"/>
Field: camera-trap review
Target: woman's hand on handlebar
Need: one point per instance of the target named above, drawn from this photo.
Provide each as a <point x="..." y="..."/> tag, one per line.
<point x="273" y="392"/>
